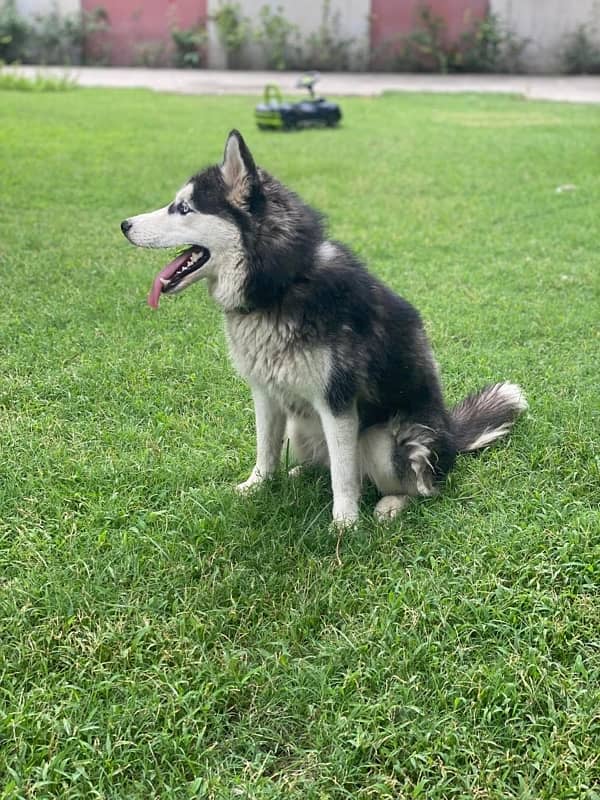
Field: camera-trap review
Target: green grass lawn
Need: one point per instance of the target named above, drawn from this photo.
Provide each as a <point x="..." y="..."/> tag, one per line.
<point x="161" y="637"/>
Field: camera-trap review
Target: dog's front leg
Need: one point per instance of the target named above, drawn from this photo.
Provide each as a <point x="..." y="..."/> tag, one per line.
<point x="341" y="435"/>
<point x="270" y="424"/>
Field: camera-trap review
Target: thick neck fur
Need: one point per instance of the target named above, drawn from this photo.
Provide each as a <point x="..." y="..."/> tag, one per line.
<point x="281" y="239"/>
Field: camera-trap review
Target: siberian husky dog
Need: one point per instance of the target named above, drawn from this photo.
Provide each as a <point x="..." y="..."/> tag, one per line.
<point x="337" y="363"/>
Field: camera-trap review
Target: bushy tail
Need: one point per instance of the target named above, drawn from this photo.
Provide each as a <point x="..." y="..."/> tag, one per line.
<point x="488" y="415"/>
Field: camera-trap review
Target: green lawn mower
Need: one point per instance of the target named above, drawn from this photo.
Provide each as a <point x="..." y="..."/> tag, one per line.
<point x="316" y="112"/>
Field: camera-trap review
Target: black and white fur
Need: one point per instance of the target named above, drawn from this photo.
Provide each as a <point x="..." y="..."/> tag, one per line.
<point x="337" y="362"/>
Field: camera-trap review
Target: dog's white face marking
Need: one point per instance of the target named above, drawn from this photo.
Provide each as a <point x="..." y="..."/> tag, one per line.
<point x="180" y="225"/>
<point x="169" y="227"/>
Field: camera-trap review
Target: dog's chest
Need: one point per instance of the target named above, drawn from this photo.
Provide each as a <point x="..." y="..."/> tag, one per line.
<point x="271" y="353"/>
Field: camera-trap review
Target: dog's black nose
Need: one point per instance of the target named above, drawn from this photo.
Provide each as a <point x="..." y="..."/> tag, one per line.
<point x="126" y="225"/>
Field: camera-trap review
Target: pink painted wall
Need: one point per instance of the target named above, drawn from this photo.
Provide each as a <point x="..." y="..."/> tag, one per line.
<point x="137" y="25"/>
<point x="393" y="18"/>
<point x="142" y="24"/>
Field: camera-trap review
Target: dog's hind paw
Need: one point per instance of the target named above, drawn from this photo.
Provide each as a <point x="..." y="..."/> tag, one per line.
<point x="296" y="472"/>
<point x="390" y="506"/>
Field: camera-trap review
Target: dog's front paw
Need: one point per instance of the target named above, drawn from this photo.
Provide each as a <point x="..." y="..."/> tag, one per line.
<point x="345" y="513"/>
<point x="253" y="482"/>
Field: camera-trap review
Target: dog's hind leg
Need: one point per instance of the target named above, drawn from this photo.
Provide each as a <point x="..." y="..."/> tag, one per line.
<point x="376" y="446"/>
<point x="404" y="459"/>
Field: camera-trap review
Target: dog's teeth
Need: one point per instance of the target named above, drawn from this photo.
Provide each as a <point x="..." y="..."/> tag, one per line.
<point x="165" y="281"/>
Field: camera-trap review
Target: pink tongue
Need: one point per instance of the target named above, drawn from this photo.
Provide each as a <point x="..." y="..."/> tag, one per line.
<point x="166" y="273"/>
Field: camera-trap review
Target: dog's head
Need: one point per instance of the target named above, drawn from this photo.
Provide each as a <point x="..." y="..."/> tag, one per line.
<point x="206" y="218"/>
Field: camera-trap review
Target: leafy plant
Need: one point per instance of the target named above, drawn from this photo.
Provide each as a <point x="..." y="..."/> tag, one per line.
<point x="326" y="49"/>
<point x="95" y="49"/>
<point x="51" y="39"/>
<point x="426" y="45"/>
<point x="12" y="79"/>
<point x="190" y="45"/>
<point x="581" y="55"/>
<point x="56" y="39"/>
<point x="487" y="46"/>
<point x="14" y="32"/>
<point x="151" y="53"/>
<point x="279" y="38"/>
<point x="233" y="30"/>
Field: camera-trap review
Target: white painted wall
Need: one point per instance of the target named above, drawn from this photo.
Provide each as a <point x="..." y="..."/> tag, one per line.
<point x="547" y="23"/>
<point x="306" y="14"/>
<point x="30" y="8"/>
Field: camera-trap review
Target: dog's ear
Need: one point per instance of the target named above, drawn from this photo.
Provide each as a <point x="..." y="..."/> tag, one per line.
<point x="239" y="170"/>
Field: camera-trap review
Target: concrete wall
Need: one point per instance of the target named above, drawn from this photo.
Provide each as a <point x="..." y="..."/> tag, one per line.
<point x="139" y="31"/>
<point x="144" y="25"/>
<point x="30" y="8"/>
<point x="352" y="15"/>
<point x="547" y="23"/>
<point x="392" y="19"/>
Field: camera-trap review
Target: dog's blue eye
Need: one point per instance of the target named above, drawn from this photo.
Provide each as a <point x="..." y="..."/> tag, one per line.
<point x="183" y="207"/>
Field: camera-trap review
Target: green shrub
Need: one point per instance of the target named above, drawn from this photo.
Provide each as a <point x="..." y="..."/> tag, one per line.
<point x="488" y="46"/>
<point x="14" y="80"/>
<point x="190" y="45"/>
<point x="52" y="38"/>
<point x="233" y="30"/>
<point x="95" y="24"/>
<point x="56" y="39"/>
<point x="581" y="55"/>
<point x="151" y="53"/>
<point x="325" y="49"/>
<point x="426" y="45"/>
<point x="14" y="32"/>
<point x="279" y="38"/>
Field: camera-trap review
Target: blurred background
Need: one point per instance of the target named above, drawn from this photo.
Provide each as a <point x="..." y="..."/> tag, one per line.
<point x="502" y="36"/>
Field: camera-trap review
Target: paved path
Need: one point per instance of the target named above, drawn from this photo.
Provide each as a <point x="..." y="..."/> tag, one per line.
<point x="575" y="89"/>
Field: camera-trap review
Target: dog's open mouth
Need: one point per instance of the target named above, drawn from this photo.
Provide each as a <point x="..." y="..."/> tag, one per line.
<point x="172" y="276"/>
